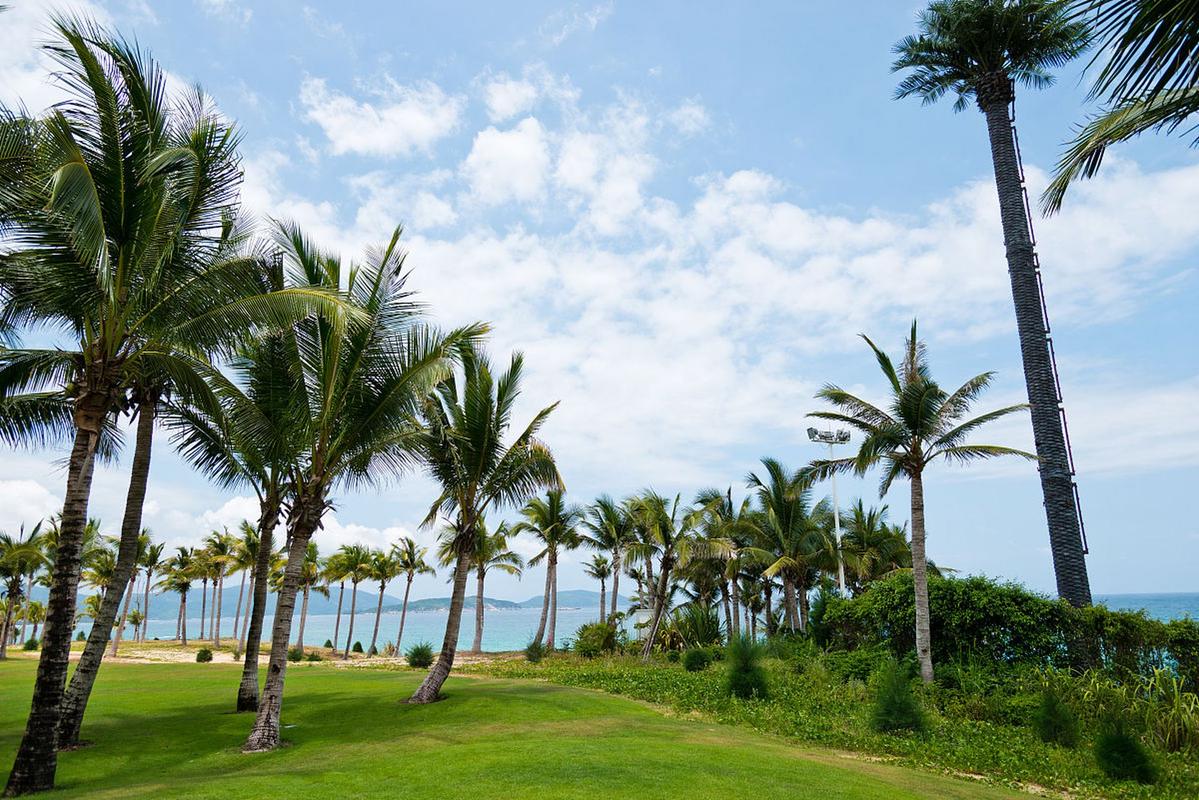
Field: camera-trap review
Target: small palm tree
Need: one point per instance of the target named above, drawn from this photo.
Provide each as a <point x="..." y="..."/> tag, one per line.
<point x="35" y="613"/>
<point x="599" y="568"/>
<point x="980" y="50"/>
<point x="245" y="556"/>
<point x="82" y="686"/>
<point x="410" y="562"/>
<point x="180" y="571"/>
<point x="311" y="580"/>
<point x="18" y="554"/>
<point x="358" y="565"/>
<point x="221" y="547"/>
<point x="609" y="528"/>
<point x="382" y="569"/>
<point x="150" y="562"/>
<point x="462" y="446"/>
<point x="554" y="524"/>
<point x="136" y="618"/>
<point x="334" y="571"/>
<point x="491" y="553"/>
<point x="922" y="423"/>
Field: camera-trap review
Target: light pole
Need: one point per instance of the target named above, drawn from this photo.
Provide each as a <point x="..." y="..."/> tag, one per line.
<point x="831" y="438"/>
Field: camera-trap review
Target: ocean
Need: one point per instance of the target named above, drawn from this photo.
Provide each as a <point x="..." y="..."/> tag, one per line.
<point x="513" y="628"/>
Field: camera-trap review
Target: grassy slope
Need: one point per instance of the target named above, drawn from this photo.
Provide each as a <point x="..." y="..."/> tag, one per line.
<point x="166" y="730"/>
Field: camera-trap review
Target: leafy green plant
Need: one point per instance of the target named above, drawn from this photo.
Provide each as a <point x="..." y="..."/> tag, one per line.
<point x="79" y="637"/>
<point x="672" y="656"/>
<point x="313" y="656"/>
<point x="420" y="655"/>
<point x="895" y="707"/>
<point x="357" y="648"/>
<point x="295" y="654"/>
<point x="746" y="678"/>
<point x="595" y="639"/>
<point x="534" y="652"/>
<point x="1171" y="714"/>
<point x="374" y="651"/>
<point x="329" y="643"/>
<point x="203" y="655"/>
<point x="1054" y="720"/>
<point x="696" y="659"/>
<point x="1121" y="755"/>
<point x="698" y="625"/>
<point x="30" y="644"/>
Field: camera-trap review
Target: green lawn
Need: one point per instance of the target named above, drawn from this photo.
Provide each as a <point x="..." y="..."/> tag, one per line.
<point x="165" y="730"/>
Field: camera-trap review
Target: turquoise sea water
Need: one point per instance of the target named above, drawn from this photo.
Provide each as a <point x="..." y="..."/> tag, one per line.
<point x="512" y="628"/>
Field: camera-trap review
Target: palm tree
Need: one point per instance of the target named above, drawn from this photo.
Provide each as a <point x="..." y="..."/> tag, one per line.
<point x="181" y="570"/>
<point x="610" y="529"/>
<point x="335" y="571"/>
<point x="35" y="613"/>
<point x="873" y="548"/>
<point x="311" y="577"/>
<point x="360" y="387"/>
<point x="491" y="552"/>
<point x="382" y="569"/>
<point x="18" y="554"/>
<point x="149" y="563"/>
<point x="923" y="423"/>
<point x="599" y="568"/>
<point x="980" y="50"/>
<point x="410" y="562"/>
<point x="136" y="618"/>
<point x="358" y="565"/>
<point x="245" y="556"/>
<point x="82" y="687"/>
<point x="555" y="525"/>
<point x="1150" y="81"/>
<point x="463" y="449"/>
<point x="721" y="519"/>
<point x="221" y="548"/>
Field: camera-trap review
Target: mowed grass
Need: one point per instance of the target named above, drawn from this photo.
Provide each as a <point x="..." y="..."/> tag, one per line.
<point x="166" y="730"/>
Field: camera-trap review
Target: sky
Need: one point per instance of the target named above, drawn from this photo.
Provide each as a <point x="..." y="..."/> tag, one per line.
<point x="684" y="214"/>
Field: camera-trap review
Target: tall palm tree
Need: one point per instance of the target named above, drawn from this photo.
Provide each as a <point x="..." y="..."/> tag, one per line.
<point x="462" y="447"/>
<point x="360" y="386"/>
<point x="554" y="524"/>
<point x="491" y="553"/>
<point x="180" y="572"/>
<point x="609" y="528"/>
<point x="358" y="563"/>
<point x="311" y="580"/>
<point x="140" y="546"/>
<point x="334" y="571"/>
<point x="410" y="562"/>
<point x="382" y="569"/>
<point x="149" y="563"/>
<point x="873" y="548"/>
<point x="122" y="236"/>
<point x="1150" y="81"/>
<point x="721" y="519"/>
<point x="221" y="547"/>
<point x="980" y="50"/>
<point x="922" y="423"/>
<point x="245" y="556"/>
<point x="600" y="568"/>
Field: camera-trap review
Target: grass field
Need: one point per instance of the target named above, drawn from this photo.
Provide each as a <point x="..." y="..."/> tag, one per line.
<point x="166" y="730"/>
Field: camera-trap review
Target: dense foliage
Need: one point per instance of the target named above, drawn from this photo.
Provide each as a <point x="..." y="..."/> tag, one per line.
<point x="696" y="659"/>
<point x="595" y="639"/>
<point x="895" y="707"/>
<point x="419" y="656"/>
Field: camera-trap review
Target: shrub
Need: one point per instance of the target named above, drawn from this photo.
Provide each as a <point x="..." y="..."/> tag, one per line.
<point x="746" y="678"/>
<point x="203" y="655"/>
<point x="313" y="656"/>
<point x="696" y="659"/>
<point x="79" y="637"/>
<point x="1121" y="755"/>
<point x="1171" y="714"/>
<point x="697" y="625"/>
<point x="295" y="654"/>
<point x="329" y="643"/>
<point x="374" y="651"/>
<point x="594" y="639"/>
<point x="357" y="648"/>
<point x="856" y="665"/>
<point x="419" y="655"/>
<point x="30" y="644"/>
<point x="1054" y="721"/>
<point x="672" y="656"/>
<point x="534" y="652"/>
<point x="895" y="706"/>
<point x="717" y="653"/>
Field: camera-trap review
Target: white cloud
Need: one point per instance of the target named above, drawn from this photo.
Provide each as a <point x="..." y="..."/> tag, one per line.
<point x="25" y="69"/>
<point x="25" y="503"/>
<point x="689" y="118"/>
<point x="227" y="10"/>
<point x="400" y="121"/>
<point x="506" y="97"/>
<point x="561" y="25"/>
<point x="508" y="165"/>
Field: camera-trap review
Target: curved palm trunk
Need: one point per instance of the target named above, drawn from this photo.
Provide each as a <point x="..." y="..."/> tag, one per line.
<point x="353" y="609"/>
<point x="920" y="575"/>
<point x="37" y="756"/>
<point x="403" y="616"/>
<point x="553" y="623"/>
<point x="116" y="639"/>
<point x="265" y="733"/>
<point x="769" y="621"/>
<point x="1057" y="487"/>
<point x="247" y="690"/>
<point x="5" y="628"/>
<point x="730" y="617"/>
<point x="74" y="701"/>
<point x="245" y="621"/>
<point x="603" y="599"/>
<point x="789" y="604"/>
<point x="736" y="600"/>
<point x="183" y="620"/>
<point x="203" y="604"/>
<point x="218" y="592"/>
<point x="341" y="593"/>
<point x="545" y="600"/>
<point x="378" y="615"/>
<point x="241" y="590"/>
<point x="178" y="621"/>
<point x="430" y="688"/>
<point x="303" y="619"/>
<point x="480" y="577"/>
<point x="615" y="580"/>
<point x="659" y="608"/>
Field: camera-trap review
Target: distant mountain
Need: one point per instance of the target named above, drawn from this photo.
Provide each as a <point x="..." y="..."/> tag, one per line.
<point x="574" y="598"/>
<point x="443" y="603"/>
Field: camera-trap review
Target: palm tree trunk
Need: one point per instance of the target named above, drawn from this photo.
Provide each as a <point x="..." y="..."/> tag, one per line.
<point x="403" y="616"/>
<point x="789" y="602"/>
<point x="378" y="615"/>
<point x="353" y="609"/>
<point x="37" y="756"/>
<point x="237" y="613"/>
<point x="659" y="608"/>
<point x="341" y="593"/>
<point x="729" y="615"/>
<point x="219" y="592"/>
<point x="74" y="701"/>
<point x="430" y="688"/>
<point x="245" y="621"/>
<point x="920" y="575"/>
<point x="178" y="621"/>
<point x="28" y="594"/>
<point x="1057" y="486"/>
<point x="265" y="733"/>
<point x="545" y="601"/>
<point x="303" y="619"/>
<point x="268" y="518"/>
<point x="116" y="639"/>
<point x="769" y="609"/>
<point x="603" y="600"/>
<point x="553" y="623"/>
<point x="736" y="598"/>
<point x="615" y="580"/>
<point x="146" y="605"/>
<point x="203" y="605"/>
<point x="480" y="576"/>
<point x="803" y="606"/>
<point x="183" y="620"/>
<point x="5" y="627"/>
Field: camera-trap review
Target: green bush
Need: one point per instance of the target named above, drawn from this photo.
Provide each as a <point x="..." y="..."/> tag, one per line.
<point x="1121" y="755"/>
<point x="295" y="654"/>
<point x="672" y="656"/>
<point x="313" y="656"/>
<point x="419" y="655"/>
<point x="79" y="637"/>
<point x="203" y="655"/>
<point x="534" y="652"/>
<point x="595" y="639"/>
<point x="746" y="678"/>
<point x="1053" y="719"/>
<point x="895" y="707"/>
<point x="856" y="665"/>
<point x="329" y="643"/>
<point x="696" y="659"/>
<point x="698" y="625"/>
<point x="357" y="648"/>
<point x="374" y="651"/>
<point x="30" y="644"/>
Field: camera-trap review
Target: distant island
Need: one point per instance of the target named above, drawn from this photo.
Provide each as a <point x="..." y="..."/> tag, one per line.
<point x="567" y="598"/>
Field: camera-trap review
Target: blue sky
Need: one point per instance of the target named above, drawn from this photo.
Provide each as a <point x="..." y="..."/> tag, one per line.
<point x="684" y="214"/>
